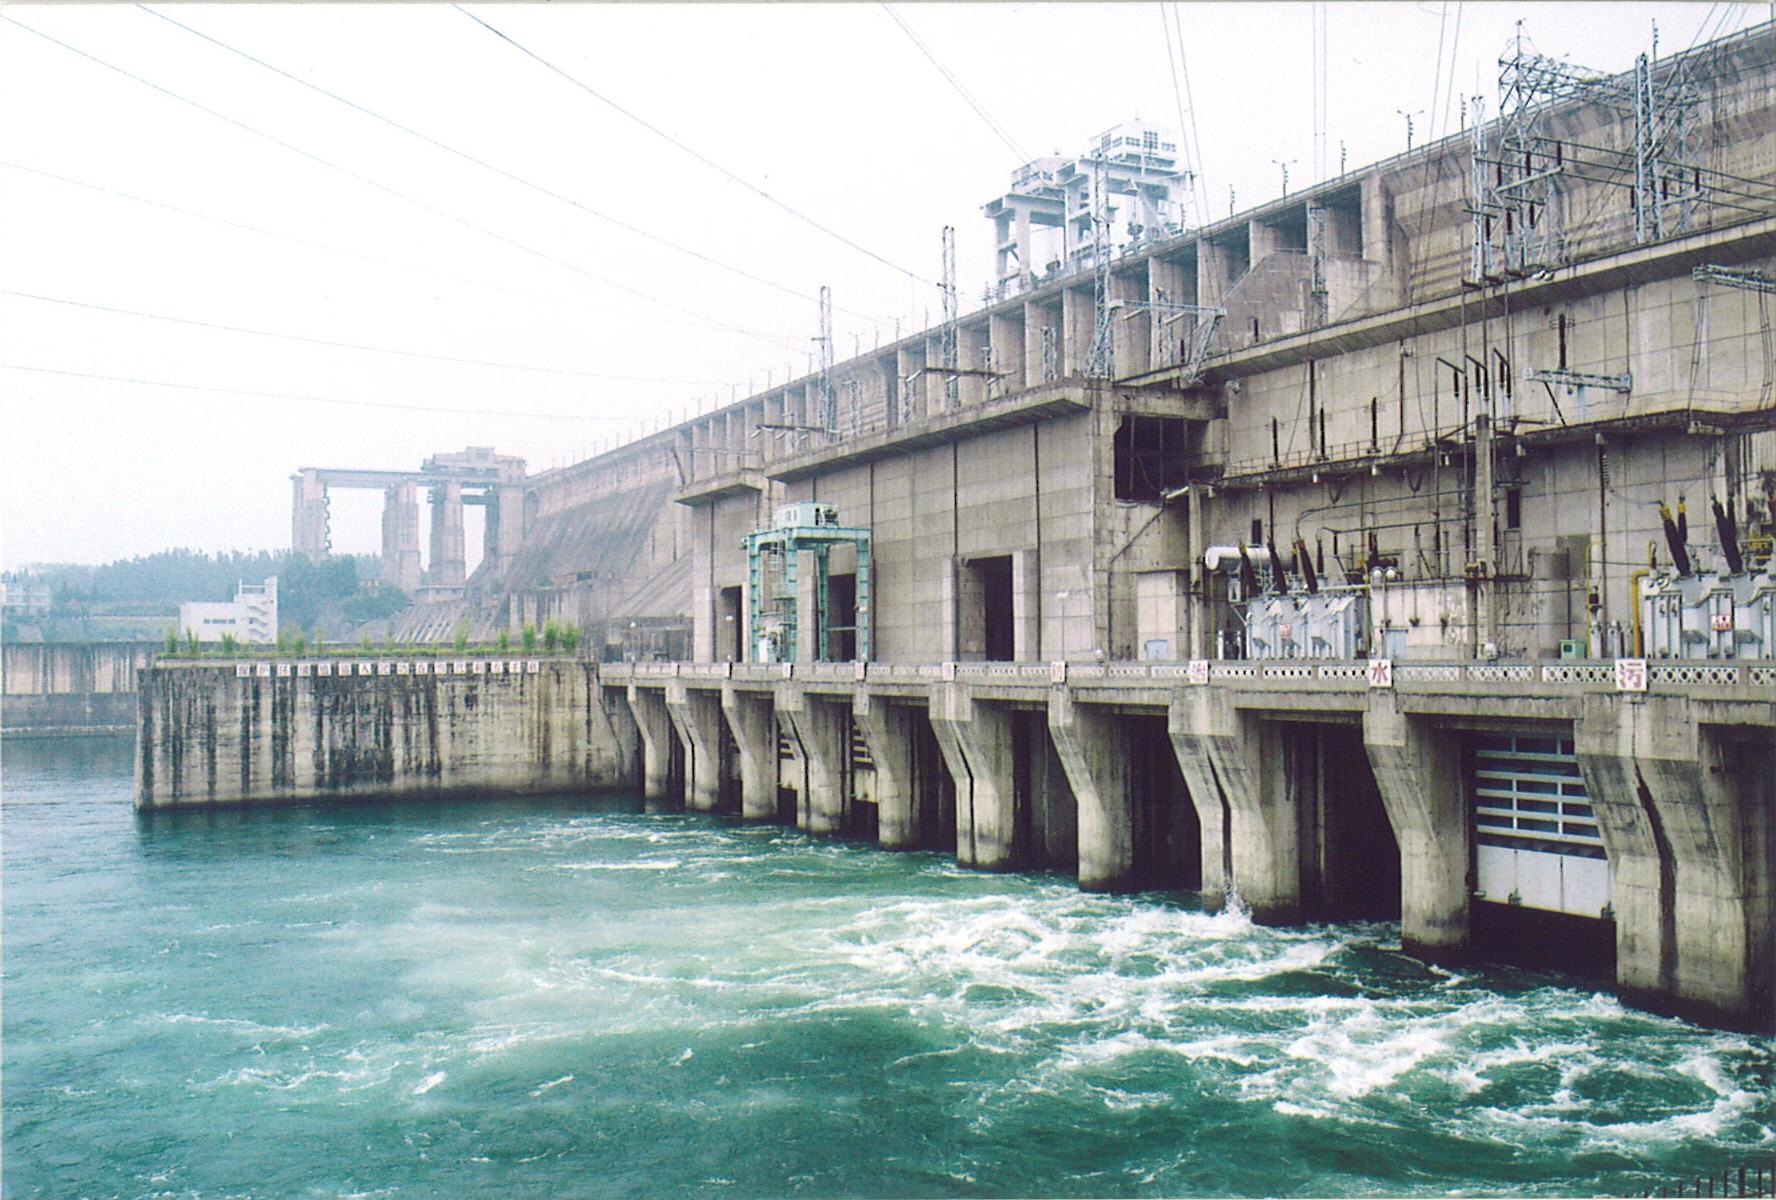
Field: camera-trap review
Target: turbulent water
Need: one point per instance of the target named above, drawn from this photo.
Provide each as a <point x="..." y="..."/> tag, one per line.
<point x="514" y="998"/>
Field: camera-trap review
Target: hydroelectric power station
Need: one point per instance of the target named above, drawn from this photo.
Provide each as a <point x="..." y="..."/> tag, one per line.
<point x="1399" y="548"/>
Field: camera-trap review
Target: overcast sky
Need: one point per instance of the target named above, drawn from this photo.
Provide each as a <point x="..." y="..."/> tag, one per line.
<point x="118" y="195"/>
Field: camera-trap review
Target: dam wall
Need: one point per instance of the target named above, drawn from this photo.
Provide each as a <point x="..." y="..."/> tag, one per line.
<point x="63" y="688"/>
<point x="293" y="732"/>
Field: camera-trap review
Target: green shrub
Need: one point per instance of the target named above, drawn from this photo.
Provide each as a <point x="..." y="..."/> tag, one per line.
<point x="528" y="636"/>
<point x="505" y="640"/>
<point x="459" y="640"/>
<point x="551" y="635"/>
<point x="570" y="638"/>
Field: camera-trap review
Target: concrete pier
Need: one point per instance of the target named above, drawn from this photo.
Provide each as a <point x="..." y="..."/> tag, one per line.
<point x="1095" y="756"/>
<point x="1418" y="768"/>
<point x="890" y="731"/>
<point x="697" y="717"/>
<point x="976" y="741"/>
<point x="817" y="732"/>
<point x="754" y="724"/>
<point x="653" y="725"/>
<point x="1686" y="798"/>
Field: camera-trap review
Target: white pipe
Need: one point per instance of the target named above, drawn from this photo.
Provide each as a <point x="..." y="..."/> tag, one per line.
<point x="1215" y="555"/>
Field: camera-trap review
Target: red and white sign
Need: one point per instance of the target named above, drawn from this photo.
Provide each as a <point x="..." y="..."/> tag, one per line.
<point x="1381" y="672"/>
<point x="1198" y="671"/>
<point x="1723" y="622"/>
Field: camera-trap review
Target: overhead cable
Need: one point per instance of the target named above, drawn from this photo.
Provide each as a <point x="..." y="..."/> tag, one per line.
<point x="315" y="341"/>
<point x="698" y="155"/>
<point x="500" y="171"/>
<point x="229" y="391"/>
<point x="998" y="129"/>
<point x="415" y="201"/>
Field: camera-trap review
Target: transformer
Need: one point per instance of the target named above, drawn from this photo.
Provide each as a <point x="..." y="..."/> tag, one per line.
<point x="1708" y="615"/>
<point x="1327" y="624"/>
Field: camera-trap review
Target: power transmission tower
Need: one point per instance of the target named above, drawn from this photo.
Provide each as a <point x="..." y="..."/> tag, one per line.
<point x="1101" y="358"/>
<point x="828" y="419"/>
<point x="952" y="333"/>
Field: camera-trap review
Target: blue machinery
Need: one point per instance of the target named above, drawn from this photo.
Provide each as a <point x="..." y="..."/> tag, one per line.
<point x="773" y="563"/>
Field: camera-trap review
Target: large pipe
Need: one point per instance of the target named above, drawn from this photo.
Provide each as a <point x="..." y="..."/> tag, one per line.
<point x="1680" y="554"/>
<point x="1728" y="529"/>
<point x="1214" y="556"/>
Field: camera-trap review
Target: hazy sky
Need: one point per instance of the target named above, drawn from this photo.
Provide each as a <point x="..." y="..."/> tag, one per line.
<point x="582" y="331"/>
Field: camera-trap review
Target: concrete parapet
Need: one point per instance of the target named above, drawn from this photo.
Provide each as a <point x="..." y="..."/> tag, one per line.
<point x="754" y="726"/>
<point x="1418" y="769"/>
<point x="817" y="732"/>
<point x="976" y="741"/>
<point x="1684" y="807"/>
<point x="697" y="716"/>
<point x="1093" y="753"/>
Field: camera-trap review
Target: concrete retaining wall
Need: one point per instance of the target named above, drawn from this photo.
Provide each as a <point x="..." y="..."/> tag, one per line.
<point x="210" y="736"/>
<point x="70" y="687"/>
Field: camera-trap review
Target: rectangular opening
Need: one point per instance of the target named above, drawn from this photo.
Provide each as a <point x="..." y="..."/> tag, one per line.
<point x="987" y="617"/>
<point x="730" y="628"/>
<point x="1149" y="453"/>
<point x="841" y="617"/>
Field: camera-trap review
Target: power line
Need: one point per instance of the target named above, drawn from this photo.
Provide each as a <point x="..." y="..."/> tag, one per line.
<point x="228" y="391"/>
<point x="501" y="171"/>
<point x="700" y="157"/>
<point x="1190" y="99"/>
<point x="315" y="341"/>
<point x="381" y="187"/>
<point x="998" y="130"/>
<point x="314" y="245"/>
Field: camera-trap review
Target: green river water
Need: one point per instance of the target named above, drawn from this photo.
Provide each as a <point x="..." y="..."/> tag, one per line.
<point x="513" y="998"/>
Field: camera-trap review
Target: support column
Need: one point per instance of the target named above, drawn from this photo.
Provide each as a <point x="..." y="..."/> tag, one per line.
<point x="696" y="714"/>
<point x="1252" y="844"/>
<point x="817" y="730"/>
<point x="888" y="730"/>
<point x="1094" y="754"/>
<point x="1685" y="808"/>
<point x="449" y="555"/>
<point x="308" y="515"/>
<point x="1418" y="769"/>
<point x="504" y="532"/>
<point x="400" y="537"/>
<point x="808" y="613"/>
<point x="754" y="726"/>
<point x="1026" y="604"/>
<point x="975" y="739"/>
<point x="655" y="727"/>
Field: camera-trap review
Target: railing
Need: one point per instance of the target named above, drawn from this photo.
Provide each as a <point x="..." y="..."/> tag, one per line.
<point x="1327" y="674"/>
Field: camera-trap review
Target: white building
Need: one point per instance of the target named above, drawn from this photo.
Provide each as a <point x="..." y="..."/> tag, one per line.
<point x="252" y="617"/>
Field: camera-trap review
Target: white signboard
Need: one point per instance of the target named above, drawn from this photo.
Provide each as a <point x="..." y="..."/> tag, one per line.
<point x="1631" y="675"/>
<point x="1381" y="672"/>
<point x="1198" y="671"/>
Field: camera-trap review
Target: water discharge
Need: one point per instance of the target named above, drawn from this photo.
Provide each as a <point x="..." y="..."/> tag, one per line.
<point x="560" y="999"/>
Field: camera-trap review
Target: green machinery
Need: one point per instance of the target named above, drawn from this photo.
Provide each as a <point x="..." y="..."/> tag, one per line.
<point x="773" y="563"/>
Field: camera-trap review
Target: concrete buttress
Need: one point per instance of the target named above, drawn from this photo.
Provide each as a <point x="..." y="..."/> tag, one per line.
<point x="754" y="727"/>
<point x="1094" y="754"/>
<point x="1418" y="770"/>
<point x="1224" y="752"/>
<point x="975" y="739"/>
<point x="888" y="730"/>
<point x="817" y="731"/>
<point x="1684" y="805"/>
<point x="697" y="716"/>
<point x="648" y="707"/>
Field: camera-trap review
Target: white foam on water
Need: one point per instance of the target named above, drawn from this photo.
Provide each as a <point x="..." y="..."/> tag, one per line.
<point x="551" y="1085"/>
<point x="238" y="1025"/>
<point x="428" y="1083"/>
<point x="659" y="864"/>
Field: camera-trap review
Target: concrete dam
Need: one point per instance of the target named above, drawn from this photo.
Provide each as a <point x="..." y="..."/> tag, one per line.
<point x="1398" y="549"/>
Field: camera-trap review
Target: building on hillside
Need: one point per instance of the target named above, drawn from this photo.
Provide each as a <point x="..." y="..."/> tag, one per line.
<point x="251" y="617"/>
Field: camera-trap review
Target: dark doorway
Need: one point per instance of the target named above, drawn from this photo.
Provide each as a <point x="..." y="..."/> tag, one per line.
<point x="730" y="627"/>
<point x="1045" y="815"/>
<point x="934" y="792"/>
<point x="841" y="618"/>
<point x="1350" y="861"/>
<point x="990" y="593"/>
